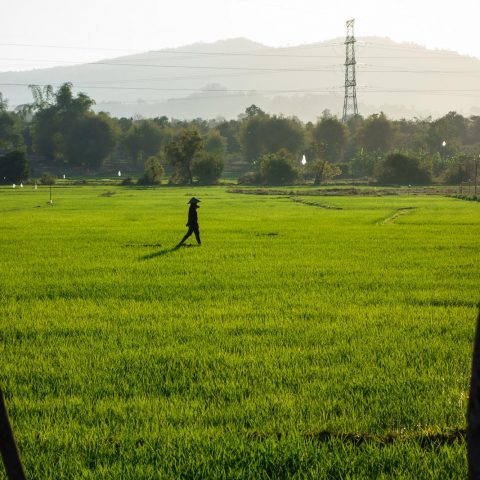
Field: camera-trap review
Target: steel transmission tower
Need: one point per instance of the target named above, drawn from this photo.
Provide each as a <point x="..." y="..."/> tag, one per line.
<point x="350" y="101"/>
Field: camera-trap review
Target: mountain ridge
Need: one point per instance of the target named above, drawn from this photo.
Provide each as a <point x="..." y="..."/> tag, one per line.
<point x="222" y="78"/>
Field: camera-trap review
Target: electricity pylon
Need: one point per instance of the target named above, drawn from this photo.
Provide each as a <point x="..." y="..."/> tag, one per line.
<point x="350" y="102"/>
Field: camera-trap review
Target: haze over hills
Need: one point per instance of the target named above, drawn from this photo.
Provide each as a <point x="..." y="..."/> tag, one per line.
<point x="223" y="78"/>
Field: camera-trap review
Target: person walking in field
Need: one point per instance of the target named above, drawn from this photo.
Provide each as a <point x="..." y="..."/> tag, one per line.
<point x="192" y="223"/>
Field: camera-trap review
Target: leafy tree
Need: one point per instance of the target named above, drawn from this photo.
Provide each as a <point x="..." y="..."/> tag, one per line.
<point x="180" y="152"/>
<point x="14" y="167"/>
<point x="43" y="97"/>
<point x="216" y="144"/>
<point x="452" y="130"/>
<point x="91" y="141"/>
<point x="124" y="123"/>
<point x="10" y="131"/>
<point x="377" y="133"/>
<point x="331" y="136"/>
<point x="3" y="103"/>
<point x="162" y="121"/>
<point x="261" y="134"/>
<point x="144" y="138"/>
<point x="207" y="168"/>
<point x="153" y="172"/>
<point x="362" y="163"/>
<point x="70" y="107"/>
<point x="46" y="137"/>
<point x="253" y="110"/>
<point x="399" y="168"/>
<point x="10" y="127"/>
<point x="47" y="179"/>
<point x="251" y="140"/>
<point x="460" y="169"/>
<point x="58" y="117"/>
<point x="322" y="171"/>
<point x="230" y="130"/>
<point x="278" y="168"/>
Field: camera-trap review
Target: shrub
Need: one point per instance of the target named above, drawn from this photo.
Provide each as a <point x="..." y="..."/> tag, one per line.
<point x="14" y="167"/>
<point x="207" y="168"/>
<point x="250" y="178"/>
<point x="322" y="171"/>
<point x="128" y="181"/>
<point x="398" y="168"/>
<point x="277" y="168"/>
<point x="461" y="171"/>
<point x="153" y="172"/>
<point x="47" y="179"/>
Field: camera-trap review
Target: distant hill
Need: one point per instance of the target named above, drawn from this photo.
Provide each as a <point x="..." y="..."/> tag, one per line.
<point x="221" y="79"/>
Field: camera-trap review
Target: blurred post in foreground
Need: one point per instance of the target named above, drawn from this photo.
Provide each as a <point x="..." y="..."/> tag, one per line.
<point x="473" y="414"/>
<point x="8" y="447"/>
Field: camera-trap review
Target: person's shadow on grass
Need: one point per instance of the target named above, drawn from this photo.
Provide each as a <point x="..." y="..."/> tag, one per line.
<point x="166" y="251"/>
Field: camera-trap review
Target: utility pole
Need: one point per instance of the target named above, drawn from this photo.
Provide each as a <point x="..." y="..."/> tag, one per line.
<point x="350" y="102"/>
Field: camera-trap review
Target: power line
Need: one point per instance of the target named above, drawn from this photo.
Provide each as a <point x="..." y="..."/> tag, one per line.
<point x="69" y="47"/>
<point x="170" y="51"/>
<point x="338" y="89"/>
<point x="221" y="90"/>
<point x="205" y="67"/>
<point x="323" y="68"/>
<point x="452" y="56"/>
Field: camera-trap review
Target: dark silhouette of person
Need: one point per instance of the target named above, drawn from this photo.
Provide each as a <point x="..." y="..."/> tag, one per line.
<point x="192" y="223"/>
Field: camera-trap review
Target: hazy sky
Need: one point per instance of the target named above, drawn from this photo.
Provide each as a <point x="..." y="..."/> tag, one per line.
<point x="107" y="28"/>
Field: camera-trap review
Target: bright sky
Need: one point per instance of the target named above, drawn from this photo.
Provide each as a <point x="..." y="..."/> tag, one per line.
<point x="108" y="28"/>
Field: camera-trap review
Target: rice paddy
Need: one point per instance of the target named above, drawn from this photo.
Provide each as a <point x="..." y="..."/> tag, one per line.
<point x="308" y="337"/>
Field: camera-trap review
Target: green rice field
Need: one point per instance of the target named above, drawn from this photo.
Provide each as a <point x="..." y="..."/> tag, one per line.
<point x="308" y="337"/>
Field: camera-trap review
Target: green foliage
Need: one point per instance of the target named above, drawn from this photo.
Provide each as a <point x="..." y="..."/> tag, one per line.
<point x="91" y="141"/>
<point x="127" y="181"/>
<point x="377" y="133"/>
<point x="143" y="139"/>
<point x="3" y="103"/>
<point x="362" y="163"/>
<point x="230" y="130"/>
<point x="261" y="134"/>
<point x="330" y="136"/>
<point x="47" y="179"/>
<point x="14" y="167"/>
<point x="207" y="168"/>
<point x="216" y="144"/>
<point x="66" y="130"/>
<point x="278" y="168"/>
<point x="10" y="131"/>
<point x="399" y="168"/>
<point x="180" y="152"/>
<point x="250" y="178"/>
<point x="322" y="171"/>
<point x="459" y="169"/>
<point x="253" y="110"/>
<point x="153" y="172"/>
<point x="11" y="127"/>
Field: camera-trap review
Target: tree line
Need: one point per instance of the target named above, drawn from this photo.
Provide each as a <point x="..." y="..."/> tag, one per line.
<point x="59" y="131"/>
